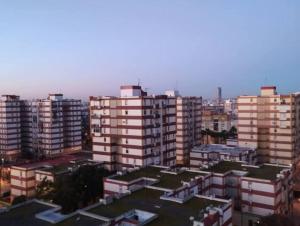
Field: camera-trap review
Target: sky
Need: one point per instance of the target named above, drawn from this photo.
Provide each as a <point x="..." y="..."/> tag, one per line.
<point x="90" y="47"/>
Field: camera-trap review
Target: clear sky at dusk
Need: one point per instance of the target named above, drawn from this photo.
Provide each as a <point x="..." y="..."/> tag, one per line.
<point x="86" y="47"/>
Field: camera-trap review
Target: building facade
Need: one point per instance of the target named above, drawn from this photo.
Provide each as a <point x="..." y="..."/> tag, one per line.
<point x="134" y="129"/>
<point x="270" y="123"/>
<point x="51" y="126"/>
<point x="10" y="127"/>
<point x="188" y="126"/>
<point x="216" y="121"/>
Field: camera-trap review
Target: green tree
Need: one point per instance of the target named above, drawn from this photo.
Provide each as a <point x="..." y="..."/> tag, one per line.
<point x="79" y="189"/>
<point x="44" y="189"/>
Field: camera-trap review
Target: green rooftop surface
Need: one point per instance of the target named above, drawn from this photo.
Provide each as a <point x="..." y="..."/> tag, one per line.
<point x="266" y="172"/>
<point x="169" y="213"/>
<point x="166" y="180"/>
<point x="25" y="216"/>
<point x="151" y="172"/>
<point x="172" y="181"/>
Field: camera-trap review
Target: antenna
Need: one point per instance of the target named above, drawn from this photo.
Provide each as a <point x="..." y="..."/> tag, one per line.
<point x="176" y="85"/>
<point x="139" y="81"/>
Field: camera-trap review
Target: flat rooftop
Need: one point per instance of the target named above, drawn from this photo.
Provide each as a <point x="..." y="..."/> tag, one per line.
<point x="25" y="216"/>
<point x="221" y="148"/>
<point x="169" y="213"/>
<point x="166" y="180"/>
<point x="266" y="172"/>
<point x="61" y="160"/>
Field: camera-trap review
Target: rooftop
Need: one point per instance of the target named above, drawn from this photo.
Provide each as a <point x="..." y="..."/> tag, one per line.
<point x="166" y="180"/>
<point x="169" y="213"/>
<point x="266" y="172"/>
<point x="233" y="150"/>
<point x="61" y="160"/>
<point x="25" y="216"/>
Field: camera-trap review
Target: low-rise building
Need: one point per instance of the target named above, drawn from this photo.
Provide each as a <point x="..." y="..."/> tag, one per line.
<point x="256" y="190"/>
<point x="25" y="177"/>
<point x="205" y="154"/>
<point x="146" y="206"/>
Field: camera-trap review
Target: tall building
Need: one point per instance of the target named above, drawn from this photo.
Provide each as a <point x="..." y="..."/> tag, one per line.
<point x="10" y="127"/>
<point x="134" y="129"/>
<point x="51" y="126"/>
<point x="270" y="123"/>
<point x="188" y="127"/>
<point x="219" y="95"/>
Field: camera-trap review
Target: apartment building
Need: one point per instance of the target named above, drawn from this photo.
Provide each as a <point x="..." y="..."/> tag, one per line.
<point x="51" y="126"/>
<point x="256" y="190"/>
<point x="10" y="127"/>
<point x="188" y="126"/>
<point x="270" y="123"/>
<point x="216" y="121"/>
<point x="134" y="129"/>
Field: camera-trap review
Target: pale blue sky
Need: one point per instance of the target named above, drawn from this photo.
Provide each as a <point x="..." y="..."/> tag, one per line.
<point x="86" y="47"/>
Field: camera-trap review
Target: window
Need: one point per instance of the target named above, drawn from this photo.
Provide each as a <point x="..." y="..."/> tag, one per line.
<point x="104" y="139"/>
<point x="126" y="112"/>
<point x="126" y="141"/>
<point x="127" y="151"/>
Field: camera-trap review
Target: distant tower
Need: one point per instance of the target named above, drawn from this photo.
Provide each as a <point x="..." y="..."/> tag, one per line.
<point x="219" y="95"/>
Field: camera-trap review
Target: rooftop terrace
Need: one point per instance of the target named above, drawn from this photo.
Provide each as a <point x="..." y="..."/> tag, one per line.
<point x="266" y="172"/>
<point x="169" y="213"/>
<point x="166" y="180"/>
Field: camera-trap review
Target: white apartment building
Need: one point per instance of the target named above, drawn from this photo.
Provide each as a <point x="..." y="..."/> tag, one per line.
<point x="270" y="123"/>
<point x="134" y="129"/>
<point x="10" y="127"/>
<point x="188" y="126"/>
<point x="51" y="126"/>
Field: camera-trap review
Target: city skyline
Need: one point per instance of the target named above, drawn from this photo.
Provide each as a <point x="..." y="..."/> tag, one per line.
<point x="90" y="48"/>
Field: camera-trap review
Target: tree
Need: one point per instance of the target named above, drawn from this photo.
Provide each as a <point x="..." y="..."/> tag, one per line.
<point x="44" y="189"/>
<point x="19" y="199"/>
<point x="232" y="132"/>
<point x="79" y="189"/>
<point x="275" y="220"/>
